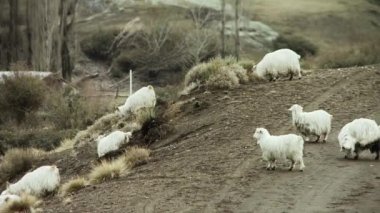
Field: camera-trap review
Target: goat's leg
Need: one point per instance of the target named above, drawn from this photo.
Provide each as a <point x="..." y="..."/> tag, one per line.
<point x="291" y="77"/>
<point x="302" y="166"/>
<point x="273" y="165"/>
<point x="292" y="165"/>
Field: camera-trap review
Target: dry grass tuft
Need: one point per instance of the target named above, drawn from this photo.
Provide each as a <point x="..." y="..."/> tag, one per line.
<point x="27" y="203"/>
<point x="247" y="64"/>
<point x="65" y="145"/>
<point x="217" y="73"/>
<point x="144" y="114"/>
<point x="73" y="185"/>
<point x="103" y="123"/>
<point x="136" y="156"/>
<point x="107" y="171"/>
<point x="16" y="161"/>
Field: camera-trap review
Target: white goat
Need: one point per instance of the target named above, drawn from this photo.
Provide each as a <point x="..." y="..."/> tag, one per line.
<point x="282" y="62"/>
<point x="7" y="198"/>
<point x="38" y="182"/>
<point x="358" y="133"/>
<point x="280" y="147"/>
<point x="317" y="123"/>
<point x="142" y="98"/>
<point x="112" y="142"/>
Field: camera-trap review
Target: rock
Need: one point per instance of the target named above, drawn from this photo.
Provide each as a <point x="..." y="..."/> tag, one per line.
<point x="212" y="4"/>
<point x="254" y="33"/>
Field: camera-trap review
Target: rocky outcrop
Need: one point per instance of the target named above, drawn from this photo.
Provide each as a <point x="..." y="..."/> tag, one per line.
<point x="254" y="33"/>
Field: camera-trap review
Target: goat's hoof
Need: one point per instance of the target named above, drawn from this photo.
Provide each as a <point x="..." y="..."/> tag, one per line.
<point x="356" y="158"/>
<point x="268" y="168"/>
<point x="290" y="169"/>
<point x="345" y="157"/>
<point x="301" y="170"/>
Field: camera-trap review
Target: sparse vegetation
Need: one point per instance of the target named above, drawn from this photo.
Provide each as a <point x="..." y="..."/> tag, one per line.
<point x="21" y="95"/>
<point x="45" y="139"/>
<point x="106" y="122"/>
<point x="153" y="128"/>
<point x="97" y="44"/>
<point x="107" y="170"/>
<point x="17" y="161"/>
<point x="217" y="73"/>
<point x="74" y="111"/>
<point x="376" y="2"/>
<point x="73" y="185"/>
<point x="136" y="156"/>
<point x="355" y="55"/>
<point x="144" y="114"/>
<point x="160" y="47"/>
<point x="19" y="66"/>
<point x="247" y="64"/>
<point x="65" y="145"/>
<point x="26" y="203"/>
<point x="298" y="44"/>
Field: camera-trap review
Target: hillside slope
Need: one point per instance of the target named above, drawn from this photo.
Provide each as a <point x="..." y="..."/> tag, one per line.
<point x="211" y="163"/>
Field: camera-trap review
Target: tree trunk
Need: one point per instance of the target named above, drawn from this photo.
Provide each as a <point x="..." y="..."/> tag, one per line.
<point x="29" y="50"/>
<point x="67" y="14"/>
<point x="12" y="39"/>
<point x="45" y="38"/>
<point x="237" y="37"/>
<point x="223" y="51"/>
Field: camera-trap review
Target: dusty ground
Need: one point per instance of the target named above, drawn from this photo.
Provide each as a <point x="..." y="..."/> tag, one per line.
<point x="211" y="162"/>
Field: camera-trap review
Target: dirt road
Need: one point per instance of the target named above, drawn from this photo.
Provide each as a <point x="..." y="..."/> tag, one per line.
<point x="211" y="162"/>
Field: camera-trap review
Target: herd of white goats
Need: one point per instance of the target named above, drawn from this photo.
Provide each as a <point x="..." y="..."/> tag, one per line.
<point x="354" y="137"/>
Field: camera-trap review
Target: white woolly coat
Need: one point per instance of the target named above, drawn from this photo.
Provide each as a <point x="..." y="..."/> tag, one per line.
<point x="281" y="62"/>
<point x="142" y="98"/>
<point x="7" y="198"/>
<point x="362" y="131"/>
<point x="317" y="122"/>
<point x="41" y="180"/>
<point x="280" y="147"/>
<point x="112" y="142"/>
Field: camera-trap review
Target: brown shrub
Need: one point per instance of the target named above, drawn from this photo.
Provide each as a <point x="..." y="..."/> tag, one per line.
<point x="217" y="73"/>
<point x="107" y="171"/>
<point x="96" y="45"/>
<point x="71" y="111"/>
<point x="136" y="156"/>
<point x="73" y="185"/>
<point x="45" y="139"/>
<point x="17" y="161"/>
<point x="21" y="95"/>
<point x="300" y="45"/>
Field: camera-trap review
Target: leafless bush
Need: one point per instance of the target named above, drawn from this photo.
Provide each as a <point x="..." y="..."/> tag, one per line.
<point x="21" y="95"/>
<point x="17" y="161"/>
